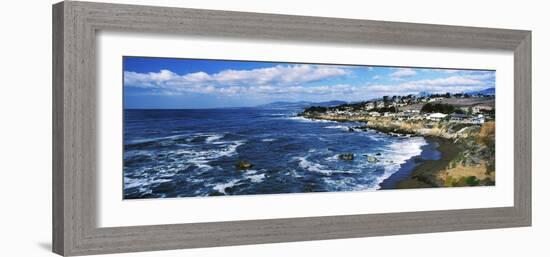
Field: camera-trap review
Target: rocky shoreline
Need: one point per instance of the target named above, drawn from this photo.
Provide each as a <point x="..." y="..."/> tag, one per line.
<point x="426" y="172"/>
<point x="466" y="151"/>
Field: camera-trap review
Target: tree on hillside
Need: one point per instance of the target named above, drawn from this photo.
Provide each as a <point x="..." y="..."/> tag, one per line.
<point x="316" y="109"/>
<point x="438" y="107"/>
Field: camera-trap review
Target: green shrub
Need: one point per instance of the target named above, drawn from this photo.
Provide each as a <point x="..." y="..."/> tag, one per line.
<point x="449" y="181"/>
<point x="316" y="109"/>
<point x="438" y="107"/>
<point x="472" y="181"/>
<point x="465" y="181"/>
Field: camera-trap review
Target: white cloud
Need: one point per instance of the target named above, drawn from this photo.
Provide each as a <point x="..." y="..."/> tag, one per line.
<point x="450" y="71"/>
<point x="233" y="81"/>
<point x="479" y="75"/>
<point x="340" y="89"/>
<point x="148" y="80"/>
<point x="453" y="84"/>
<point x="401" y="73"/>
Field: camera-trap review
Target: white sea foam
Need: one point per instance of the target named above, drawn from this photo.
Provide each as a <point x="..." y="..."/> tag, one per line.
<point x="202" y="157"/>
<point x="251" y="172"/>
<point x="212" y="138"/>
<point x="256" y="178"/>
<point x="148" y="140"/>
<point x="398" y="153"/>
<point x="165" y="169"/>
<point x="347" y="184"/>
<point x="375" y="136"/>
<point x="221" y="187"/>
<point x="203" y="166"/>
<point x="340" y="127"/>
<point x="302" y="119"/>
<point x="317" y="167"/>
<point x="132" y="182"/>
<point x="142" y="182"/>
<point x="268" y="140"/>
<point x="293" y="173"/>
<point x="133" y="153"/>
<point x="333" y="158"/>
<point x="253" y="176"/>
<point x="278" y="114"/>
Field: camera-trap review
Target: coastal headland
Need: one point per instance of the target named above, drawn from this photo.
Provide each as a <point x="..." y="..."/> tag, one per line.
<point x="461" y="126"/>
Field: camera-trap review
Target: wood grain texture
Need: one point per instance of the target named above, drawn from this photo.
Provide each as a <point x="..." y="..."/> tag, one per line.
<point x="58" y="193"/>
<point x="522" y="128"/>
<point x="75" y="25"/>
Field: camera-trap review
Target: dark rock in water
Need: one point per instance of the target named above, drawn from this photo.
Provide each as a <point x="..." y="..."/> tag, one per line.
<point x="215" y="193"/>
<point x="350" y="129"/>
<point x="372" y="159"/>
<point x="244" y="165"/>
<point x="164" y="187"/>
<point x="346" y="156"/>
<point x="378" y="154"/>
<point x="418" y="160"/>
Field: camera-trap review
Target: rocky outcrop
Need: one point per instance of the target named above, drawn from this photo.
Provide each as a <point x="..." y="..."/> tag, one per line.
<point x="346" y="156"/>
<point x="243" y="165"/>
<point x="372" y="159"/>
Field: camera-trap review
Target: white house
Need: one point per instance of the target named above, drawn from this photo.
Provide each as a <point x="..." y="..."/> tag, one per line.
<point x="436" y="116"/>
<point x="480" y="119"/>
<point x="374" y="114"/>
<point x="369" y="106"/>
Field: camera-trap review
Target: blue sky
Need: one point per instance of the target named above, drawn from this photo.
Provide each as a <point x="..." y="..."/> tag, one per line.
<point x="165" y="83"/>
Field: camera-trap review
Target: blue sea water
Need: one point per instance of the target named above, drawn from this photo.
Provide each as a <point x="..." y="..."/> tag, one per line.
<point x="184" y="153"/>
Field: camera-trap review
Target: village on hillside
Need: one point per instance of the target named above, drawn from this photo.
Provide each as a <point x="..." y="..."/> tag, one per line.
<point x="457" y="108"/>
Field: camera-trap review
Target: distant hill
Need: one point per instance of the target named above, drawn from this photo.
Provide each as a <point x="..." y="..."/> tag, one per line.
<point x="423" y="93"/>
<point x="300" y="104"/>
<point x="487" y="91"/>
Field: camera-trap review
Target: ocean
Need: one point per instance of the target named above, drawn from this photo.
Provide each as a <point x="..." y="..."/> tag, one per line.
<point x="194" y="152"/>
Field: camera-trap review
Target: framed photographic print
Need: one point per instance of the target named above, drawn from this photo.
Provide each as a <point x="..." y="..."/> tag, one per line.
<point x="218" y="127"/>
<point x="182" y="128"/>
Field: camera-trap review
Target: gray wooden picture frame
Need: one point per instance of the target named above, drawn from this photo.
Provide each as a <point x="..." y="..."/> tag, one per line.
<point x="75" y="25"/>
